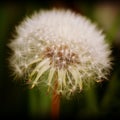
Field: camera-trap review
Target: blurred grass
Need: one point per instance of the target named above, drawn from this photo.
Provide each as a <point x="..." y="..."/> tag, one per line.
<point x="102" y="101"/>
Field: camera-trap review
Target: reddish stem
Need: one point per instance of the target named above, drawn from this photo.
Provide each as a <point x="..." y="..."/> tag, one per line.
<point x="55" y="108"/>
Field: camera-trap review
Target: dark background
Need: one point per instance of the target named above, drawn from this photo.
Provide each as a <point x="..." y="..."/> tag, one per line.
<point x="100" y="102"/>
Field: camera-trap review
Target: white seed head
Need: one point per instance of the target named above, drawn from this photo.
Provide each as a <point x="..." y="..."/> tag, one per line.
<point x="60" y="47"/>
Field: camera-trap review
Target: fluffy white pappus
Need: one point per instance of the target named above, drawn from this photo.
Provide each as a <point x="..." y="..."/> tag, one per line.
<point x="59" y="47"/>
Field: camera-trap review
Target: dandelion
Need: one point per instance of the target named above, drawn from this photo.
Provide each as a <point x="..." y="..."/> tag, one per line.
<point x="60" y="48"/>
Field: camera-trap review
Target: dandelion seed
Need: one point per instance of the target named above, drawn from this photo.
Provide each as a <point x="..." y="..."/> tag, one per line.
<point x="64" y="47"/>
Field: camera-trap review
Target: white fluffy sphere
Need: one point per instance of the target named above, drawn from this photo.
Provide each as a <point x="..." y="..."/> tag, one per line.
<point x="59" y="47"/>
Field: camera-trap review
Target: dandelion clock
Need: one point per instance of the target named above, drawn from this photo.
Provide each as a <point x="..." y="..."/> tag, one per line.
<point x="60" y="50"/>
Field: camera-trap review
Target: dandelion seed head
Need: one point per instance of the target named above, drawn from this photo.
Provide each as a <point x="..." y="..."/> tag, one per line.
<point x="59" y="46"/>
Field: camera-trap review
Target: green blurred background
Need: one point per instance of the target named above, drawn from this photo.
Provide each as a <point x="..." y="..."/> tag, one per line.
<point x="99" y="102"/>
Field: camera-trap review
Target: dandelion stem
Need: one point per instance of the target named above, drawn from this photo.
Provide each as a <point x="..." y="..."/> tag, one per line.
<point x="55" y="107"/>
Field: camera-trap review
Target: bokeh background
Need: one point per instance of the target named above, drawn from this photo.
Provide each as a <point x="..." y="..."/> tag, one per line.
<point x="102" y="101"/>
